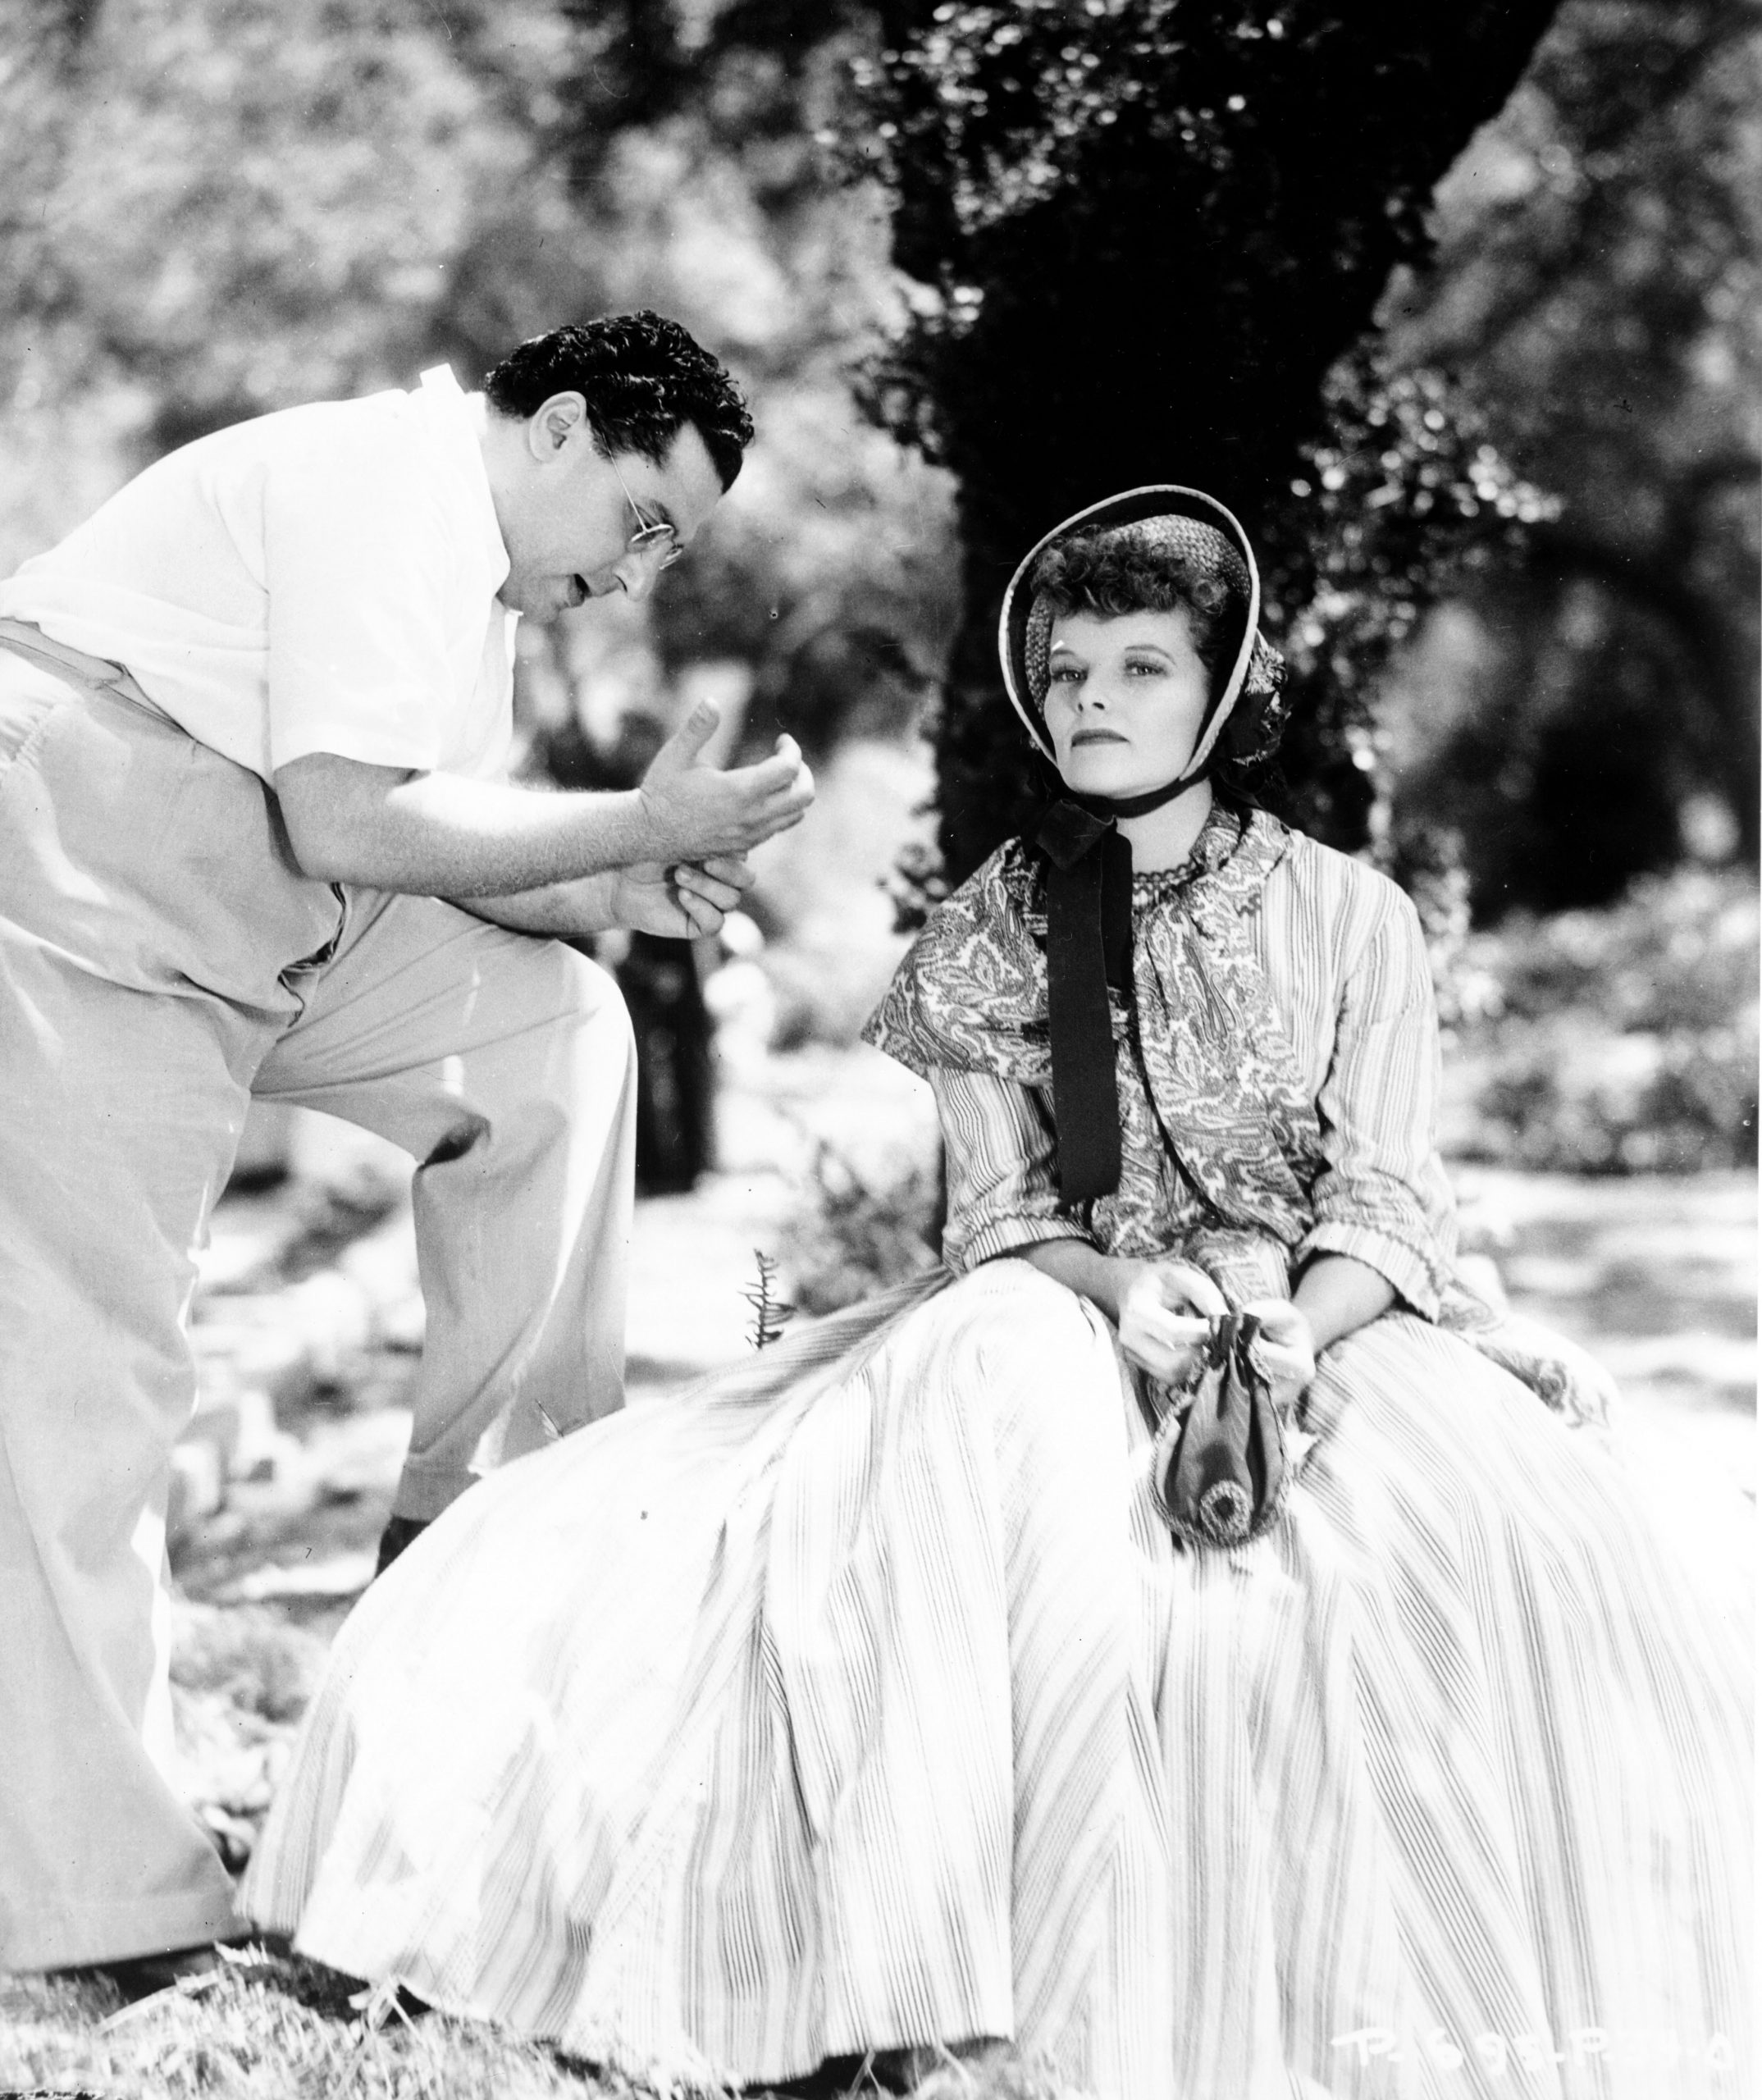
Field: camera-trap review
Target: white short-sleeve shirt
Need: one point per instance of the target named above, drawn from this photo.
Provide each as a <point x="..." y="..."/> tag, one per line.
<point x="322" y="579"/>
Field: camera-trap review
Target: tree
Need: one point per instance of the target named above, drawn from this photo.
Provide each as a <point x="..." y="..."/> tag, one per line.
<point x="1595" y="287"/>
<point x="229" y="205"/>
<point x="1145" y="232"/>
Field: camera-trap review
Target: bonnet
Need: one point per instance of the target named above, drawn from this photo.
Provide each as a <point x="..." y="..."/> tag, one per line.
<point x="1161" y="517"/>
<point x="1089" y="861"/>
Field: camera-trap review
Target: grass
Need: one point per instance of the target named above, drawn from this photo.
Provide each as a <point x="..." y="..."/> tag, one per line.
<point x="240" y="1679"/>
<point x="271" y="2026"/>
<point x="268" y="2027"/>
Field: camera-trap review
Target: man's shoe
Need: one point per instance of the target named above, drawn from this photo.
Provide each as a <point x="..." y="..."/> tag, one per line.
<point x="397" y="1535"/>
<point x="138" y="1976"/>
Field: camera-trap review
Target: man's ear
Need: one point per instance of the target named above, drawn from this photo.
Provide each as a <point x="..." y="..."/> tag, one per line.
<point x="554" y="422"/>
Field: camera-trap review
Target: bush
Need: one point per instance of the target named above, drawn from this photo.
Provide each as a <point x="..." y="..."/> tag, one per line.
<point x="1622" y="1041"/>
<point x="851" y="1237"/>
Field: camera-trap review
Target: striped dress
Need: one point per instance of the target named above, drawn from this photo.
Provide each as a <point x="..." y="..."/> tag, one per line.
<point x="858" y="1699"/>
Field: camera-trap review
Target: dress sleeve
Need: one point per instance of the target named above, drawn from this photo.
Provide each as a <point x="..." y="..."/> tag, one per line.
<point x="1383" y="1197"/>
<point x="1003" y="1180"/>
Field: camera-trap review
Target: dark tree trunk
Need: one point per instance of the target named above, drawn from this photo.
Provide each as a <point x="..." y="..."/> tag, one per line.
<point x="1169" y="311"/>
<point x="1714" y="721"/>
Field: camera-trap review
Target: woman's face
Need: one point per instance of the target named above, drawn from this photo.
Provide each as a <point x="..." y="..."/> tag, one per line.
<point x="1127" y="694"/>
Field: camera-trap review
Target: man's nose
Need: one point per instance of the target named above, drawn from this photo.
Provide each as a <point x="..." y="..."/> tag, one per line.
<point x="637" y="575"/>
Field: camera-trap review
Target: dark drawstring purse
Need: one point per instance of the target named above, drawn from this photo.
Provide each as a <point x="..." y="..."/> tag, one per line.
<point x="1219" y="1464"/>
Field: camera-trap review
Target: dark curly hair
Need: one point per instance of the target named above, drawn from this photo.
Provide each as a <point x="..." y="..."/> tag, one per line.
<point x="1107" y="574"/>
<point x="642" y="378"/>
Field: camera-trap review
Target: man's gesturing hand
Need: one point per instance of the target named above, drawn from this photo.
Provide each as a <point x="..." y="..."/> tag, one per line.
<point x="696" y="812"/>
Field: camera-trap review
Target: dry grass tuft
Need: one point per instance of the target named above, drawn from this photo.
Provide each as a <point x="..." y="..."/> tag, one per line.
<point x="241" y="1680"/>
<point x="256" y="1662"/>
<point x="269" y="2025"/>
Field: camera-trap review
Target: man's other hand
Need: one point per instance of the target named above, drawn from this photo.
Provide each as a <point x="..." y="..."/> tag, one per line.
<point x="697" y="813"/>
<point x="679" y="902"/>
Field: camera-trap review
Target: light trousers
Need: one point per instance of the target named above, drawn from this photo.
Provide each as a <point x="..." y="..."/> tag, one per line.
<point x="161" y="960"/>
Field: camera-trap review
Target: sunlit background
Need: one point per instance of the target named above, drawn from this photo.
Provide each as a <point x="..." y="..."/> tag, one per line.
<point x="213" y="208"/>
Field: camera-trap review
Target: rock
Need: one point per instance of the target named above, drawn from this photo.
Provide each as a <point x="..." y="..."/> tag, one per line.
<point x="254" y="1349"/>
<point x="197" y="1488"/>
<point x="216" y="1425"/>
<point x="332" y="1317"/>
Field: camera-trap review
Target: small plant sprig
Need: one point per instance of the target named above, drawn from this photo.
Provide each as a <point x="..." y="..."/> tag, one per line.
<point x="769" y="1312"/>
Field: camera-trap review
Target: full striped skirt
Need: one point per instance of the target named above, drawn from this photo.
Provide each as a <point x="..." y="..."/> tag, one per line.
<point x="858" y="1699"/>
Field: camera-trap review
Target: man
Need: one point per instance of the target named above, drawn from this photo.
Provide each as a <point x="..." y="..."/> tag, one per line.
<point x="254" y="722"/>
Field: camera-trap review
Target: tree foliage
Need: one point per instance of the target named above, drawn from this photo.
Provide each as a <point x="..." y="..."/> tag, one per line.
<point x="214" y="208"/>
<point x="1599" y="272"/>
<point x="231" y="207"/>
<point x="1146" y="231"/>
<point x="1143" y="238"/>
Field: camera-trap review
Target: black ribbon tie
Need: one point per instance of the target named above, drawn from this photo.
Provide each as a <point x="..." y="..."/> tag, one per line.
<point x="1088" y="946"/>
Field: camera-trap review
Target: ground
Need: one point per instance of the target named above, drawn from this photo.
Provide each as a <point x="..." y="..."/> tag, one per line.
<point x="308" y="1326"/>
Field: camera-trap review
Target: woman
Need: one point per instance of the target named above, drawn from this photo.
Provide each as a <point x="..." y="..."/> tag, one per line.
<point x="865" y="1701"/>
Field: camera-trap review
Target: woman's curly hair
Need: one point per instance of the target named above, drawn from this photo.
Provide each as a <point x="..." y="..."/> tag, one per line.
<point x="1108" y="573"/>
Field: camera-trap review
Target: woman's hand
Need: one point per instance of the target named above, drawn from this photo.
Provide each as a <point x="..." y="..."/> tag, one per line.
<point x="1285" y="1350"/>
<point x="1164" y="1310"/>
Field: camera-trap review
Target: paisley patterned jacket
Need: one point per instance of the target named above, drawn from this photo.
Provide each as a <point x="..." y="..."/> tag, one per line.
<point x="1277" y="1060"/>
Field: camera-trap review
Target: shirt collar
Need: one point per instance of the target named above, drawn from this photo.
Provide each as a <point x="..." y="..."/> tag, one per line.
<point x="457" y="418"/>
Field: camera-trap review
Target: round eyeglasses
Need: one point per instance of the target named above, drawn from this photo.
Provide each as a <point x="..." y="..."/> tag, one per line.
<point x="652" y="534"/>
